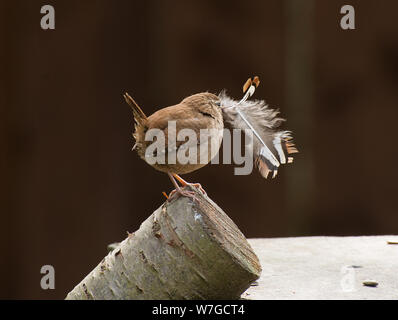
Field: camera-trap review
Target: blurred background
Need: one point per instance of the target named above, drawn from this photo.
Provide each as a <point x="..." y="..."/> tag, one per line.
<point x="70" y="184"/>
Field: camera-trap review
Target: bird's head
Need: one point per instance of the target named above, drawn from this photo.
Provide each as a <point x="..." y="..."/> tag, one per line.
<point x="207" y="104"/>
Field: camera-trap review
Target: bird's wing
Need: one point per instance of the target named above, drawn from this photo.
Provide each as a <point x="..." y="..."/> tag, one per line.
<point x="180" y="125"/>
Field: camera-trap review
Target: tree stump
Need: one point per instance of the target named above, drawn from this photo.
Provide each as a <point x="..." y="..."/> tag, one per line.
<point x="185" y="250"/>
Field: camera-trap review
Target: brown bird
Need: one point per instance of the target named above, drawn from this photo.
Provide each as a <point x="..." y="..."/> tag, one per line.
<point x="270" y="146"/>
<point x="197" y="113"/>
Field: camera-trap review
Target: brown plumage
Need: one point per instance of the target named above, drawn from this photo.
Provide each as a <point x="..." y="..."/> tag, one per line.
<point x="271" y="147"/>
<point x="196" y="112"/>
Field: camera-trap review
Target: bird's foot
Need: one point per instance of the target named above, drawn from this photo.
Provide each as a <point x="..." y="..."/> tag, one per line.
<point x="180" y="192"/>
<point x="197" y="186"/>
<point x="185" y="183"/>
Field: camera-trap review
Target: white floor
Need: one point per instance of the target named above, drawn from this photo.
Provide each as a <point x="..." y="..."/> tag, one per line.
<point x="326" y="268"/>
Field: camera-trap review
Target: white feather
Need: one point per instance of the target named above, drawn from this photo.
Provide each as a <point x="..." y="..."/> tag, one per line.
<point x="278" y="147"/>
<point x="270" y="143"/>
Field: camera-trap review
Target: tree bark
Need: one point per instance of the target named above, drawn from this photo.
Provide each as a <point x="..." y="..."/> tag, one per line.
<point x="185" y="250"/>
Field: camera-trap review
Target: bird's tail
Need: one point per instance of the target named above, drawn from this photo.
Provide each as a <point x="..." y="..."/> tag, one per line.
<point x="140" y="119"/>
<point x="139" y="115"/>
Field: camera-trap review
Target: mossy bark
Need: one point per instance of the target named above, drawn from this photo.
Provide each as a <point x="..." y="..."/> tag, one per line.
<point x="185" y="250"/>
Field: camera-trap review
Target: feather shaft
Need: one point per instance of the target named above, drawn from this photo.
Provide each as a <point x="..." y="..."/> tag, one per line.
<point x="271" y="157"/>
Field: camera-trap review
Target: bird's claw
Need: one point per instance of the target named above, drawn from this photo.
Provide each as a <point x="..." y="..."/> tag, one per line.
<point x="198" y="186"/>
<point x="180" y="192"/>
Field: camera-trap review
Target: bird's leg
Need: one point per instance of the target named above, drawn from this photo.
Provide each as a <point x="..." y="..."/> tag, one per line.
<point x="185" y="183"/>
<point x="178" y="190"/>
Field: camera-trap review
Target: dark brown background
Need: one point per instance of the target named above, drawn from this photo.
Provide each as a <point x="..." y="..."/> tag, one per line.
<point x="70" y="183"/>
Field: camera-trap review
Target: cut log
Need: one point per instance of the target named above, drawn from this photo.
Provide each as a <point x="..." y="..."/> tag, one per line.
<point x="185" y="250"/>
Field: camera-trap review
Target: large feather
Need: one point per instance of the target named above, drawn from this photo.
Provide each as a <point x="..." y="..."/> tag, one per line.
<point x="270" y="146"/>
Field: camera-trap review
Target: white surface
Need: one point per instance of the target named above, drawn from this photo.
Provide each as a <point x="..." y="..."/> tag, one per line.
<point x="322" y="268"/>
